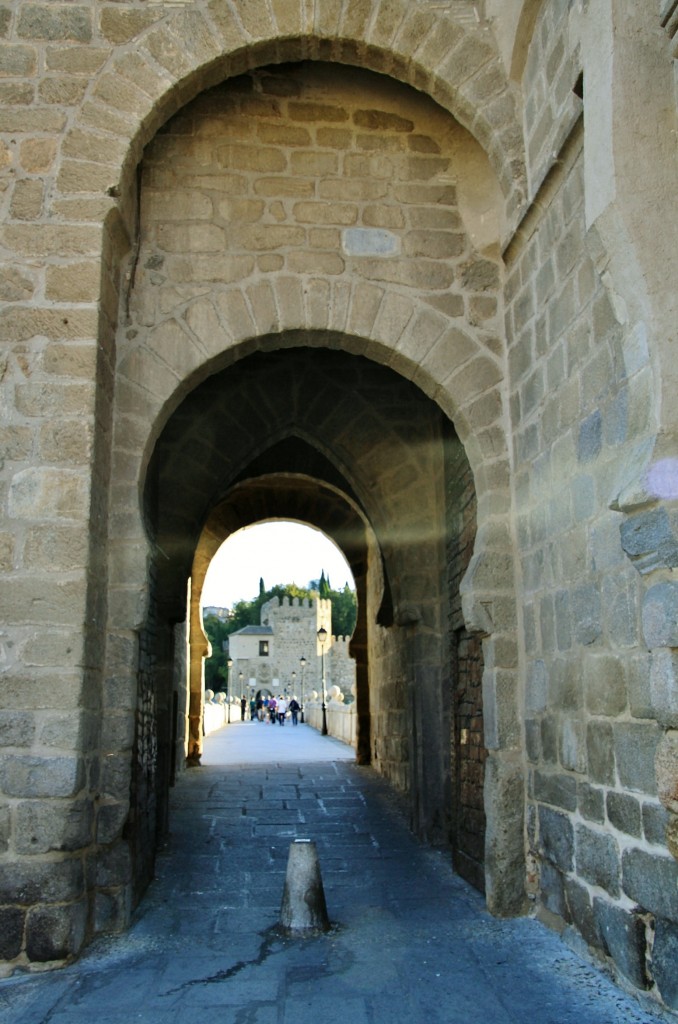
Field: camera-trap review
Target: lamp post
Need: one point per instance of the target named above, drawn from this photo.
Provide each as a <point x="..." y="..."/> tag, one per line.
<point x="228" y="688"/>
<point x="242" y="715"/>
<point x="294" y="683"/>
<point x="302" y="662"/>
<point x="322" y="640"/>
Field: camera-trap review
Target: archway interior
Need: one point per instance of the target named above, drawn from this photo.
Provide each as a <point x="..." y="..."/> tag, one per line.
<point x="322" y="436"/>
<point x="298" y="423"/>
<point x="267" y="593"/>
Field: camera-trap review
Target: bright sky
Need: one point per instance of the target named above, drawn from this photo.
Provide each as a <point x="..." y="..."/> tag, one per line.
<point x="280" y="552"/>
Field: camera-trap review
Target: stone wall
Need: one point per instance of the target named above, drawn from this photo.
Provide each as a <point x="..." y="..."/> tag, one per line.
<point x="579" y="402"/>
<point x="464" y="716"/>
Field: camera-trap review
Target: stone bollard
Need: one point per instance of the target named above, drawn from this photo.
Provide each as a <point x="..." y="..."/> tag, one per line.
<point x="303" y="907"/>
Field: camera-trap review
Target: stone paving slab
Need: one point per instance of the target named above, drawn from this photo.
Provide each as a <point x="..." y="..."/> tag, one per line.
<point x="411" y="942"/>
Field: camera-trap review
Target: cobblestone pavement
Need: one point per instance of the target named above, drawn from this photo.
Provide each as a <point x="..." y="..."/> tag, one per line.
<point x="410" y="941"/>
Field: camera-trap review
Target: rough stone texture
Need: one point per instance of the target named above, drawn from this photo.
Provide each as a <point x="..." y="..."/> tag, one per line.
<point x="623" y="937"/>
<point x="660" y="615"/>
<point x="652" y="882"/>
<point x="597" y="859"/>
<point x="666" y="768"/>
<point x="55" y="933"/>
<point x="664" y="959"/>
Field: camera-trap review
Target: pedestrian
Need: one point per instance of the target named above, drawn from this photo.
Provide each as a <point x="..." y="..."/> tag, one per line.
<point x="282" y="709"/>
<point x="260" y="710"/>
<point x="272" y="709"/>
<point x="294" y="709"/>
<point x="253" y="710"/>
<point x="243" y="708"/>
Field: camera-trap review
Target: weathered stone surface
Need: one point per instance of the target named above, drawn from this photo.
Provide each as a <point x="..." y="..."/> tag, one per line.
<point x="652" y="882"/>
<point x="624" y="813"/>
<point x="556" y="838"/>
<point x="623" y="935"/>
<point x="504" y="848"/>
<point x="664" y="960"/>
<point x="650" y="541"/>
<point x="666" y="768"/>
<point x="556" y="788"/>
<point x="655" y="822"/>
<point x="600" y="751"/>
<point x="44" y="826"/>
<point x="55" y="21"/>
<point x="32" y="882"/>
<point x="597" y="858"/>
<point x="635" y="746"/>
<point x="17" y="728"/>
<point x="48" y="494"/>
<point x="24" y="775"/>
<point x="110" y="821"/>
<point x="580" y="911"/>
<point x="664" y="686"/>
<point x="660" y="615"/>
<point x="586" y="613"/>
<point x="11" y="931"/>
<point x="55" y="933"/>
<point x="591" y="802"/>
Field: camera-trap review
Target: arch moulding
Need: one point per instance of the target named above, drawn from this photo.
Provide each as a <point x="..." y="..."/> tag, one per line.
<point x="444" y="54"/>
<point x="147" y="80"/>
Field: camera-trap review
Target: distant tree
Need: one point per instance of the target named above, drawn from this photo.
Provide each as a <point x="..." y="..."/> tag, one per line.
<point x="248" y="613"/>
<point x="216" y="669"/>
<point x="344" y="605"/>
<point x="324" y="587"/>
<point x="344" y="611"/>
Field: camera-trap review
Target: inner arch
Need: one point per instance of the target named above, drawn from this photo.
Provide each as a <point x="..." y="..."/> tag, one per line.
<point x="333" y="439"/>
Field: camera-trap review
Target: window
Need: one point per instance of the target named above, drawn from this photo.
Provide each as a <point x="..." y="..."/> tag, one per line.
<point x="263" y="648"/>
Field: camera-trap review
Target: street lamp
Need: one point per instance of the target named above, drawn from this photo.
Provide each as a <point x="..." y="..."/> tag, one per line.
<point x="322" y="640"/>
<point x="228" y="688"/>
<point x="294" y="684"/>
<point x="242" y="713"/>
<point x="302" y="662"/>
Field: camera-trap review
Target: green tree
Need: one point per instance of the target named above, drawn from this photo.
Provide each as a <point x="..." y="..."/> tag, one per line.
<point x="216" y="669"/>
<point x="248" y="613"/>
<point x="344" y="611"/>
<point x="344" y="605"/>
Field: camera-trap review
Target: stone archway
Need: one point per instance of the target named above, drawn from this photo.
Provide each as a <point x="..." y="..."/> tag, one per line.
<point x="138" y="380"/>
<point x="362" y="453"/>
<point x="270" y="492"/>
<point x="407" y="278"/>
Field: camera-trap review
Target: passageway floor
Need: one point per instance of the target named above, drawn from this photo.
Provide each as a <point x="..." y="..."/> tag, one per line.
<point x="410" y="941"/>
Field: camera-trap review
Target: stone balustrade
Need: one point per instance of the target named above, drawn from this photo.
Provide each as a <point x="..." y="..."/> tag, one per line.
<point x="341" y="716"/>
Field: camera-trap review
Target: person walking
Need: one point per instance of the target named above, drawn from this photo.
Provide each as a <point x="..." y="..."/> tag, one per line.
<point x="272" y="709"/>
<point x="282" y="710"/>
<point x="294" y="708"/>
<point x="243" y="708"/>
